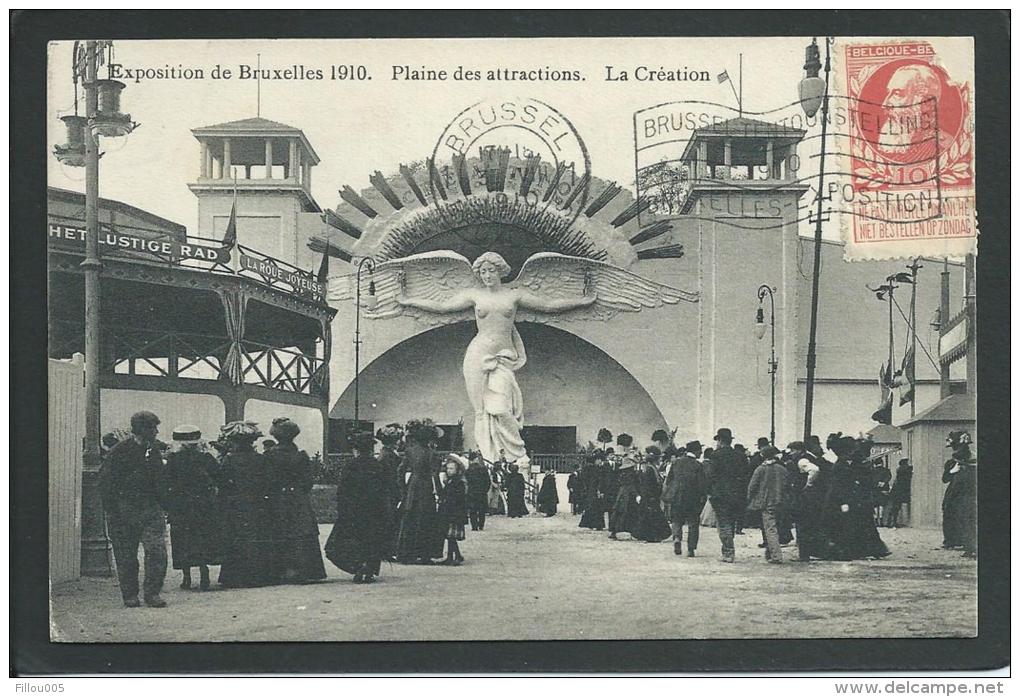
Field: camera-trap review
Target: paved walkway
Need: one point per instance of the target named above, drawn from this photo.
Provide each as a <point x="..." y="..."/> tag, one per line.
<point x="544" y="578"/>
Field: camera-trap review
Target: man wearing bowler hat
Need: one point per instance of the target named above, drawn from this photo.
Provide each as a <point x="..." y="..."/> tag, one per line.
<point x="726" y="476"/>
<point x="685" y="492"/>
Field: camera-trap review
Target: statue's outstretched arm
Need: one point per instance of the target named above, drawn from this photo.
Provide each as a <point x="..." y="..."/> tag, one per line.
<point x="532" y="301"/>
<point x="456" y="303"/>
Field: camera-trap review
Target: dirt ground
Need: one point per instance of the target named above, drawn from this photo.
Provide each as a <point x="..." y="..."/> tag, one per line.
<point x="545" y="578"/>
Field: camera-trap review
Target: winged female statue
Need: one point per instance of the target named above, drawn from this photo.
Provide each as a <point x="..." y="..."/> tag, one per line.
<point x="444" y="287"/>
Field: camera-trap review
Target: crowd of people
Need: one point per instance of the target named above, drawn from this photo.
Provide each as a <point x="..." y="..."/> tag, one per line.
<point x="251" y="513"/>
<point x="829" y="502"/>
<point x="400" y="500"/>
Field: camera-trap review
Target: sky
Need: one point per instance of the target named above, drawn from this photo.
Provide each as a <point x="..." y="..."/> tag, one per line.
<point x="360" y="126"/>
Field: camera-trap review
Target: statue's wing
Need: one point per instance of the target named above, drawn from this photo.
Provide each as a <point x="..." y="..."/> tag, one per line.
<point x="558" y="276"/>
<point x="431" y="276"/>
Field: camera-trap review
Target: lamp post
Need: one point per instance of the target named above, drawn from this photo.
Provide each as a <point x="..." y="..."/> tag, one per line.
<point x="810" y="87"/>
<point x="102" y="118"/>
<point x="367" y="261"/>
<point x="759" y="326"/>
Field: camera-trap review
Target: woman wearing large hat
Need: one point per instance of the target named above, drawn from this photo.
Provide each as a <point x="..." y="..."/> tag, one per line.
<point x="191" y="505"/>
<point x="362" y="535"/>
<point x="296" y="532"/>
<point x="420" y="539"/>
<point x="849" y="510"/>
<point x="625" y="515"/>
<point x="245" y="502"/>
<point x="652" y="525"/>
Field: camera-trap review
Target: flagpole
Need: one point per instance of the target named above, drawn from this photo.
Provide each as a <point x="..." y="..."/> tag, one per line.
<point x="740" y="99"/>
<point x="913" y="336"/>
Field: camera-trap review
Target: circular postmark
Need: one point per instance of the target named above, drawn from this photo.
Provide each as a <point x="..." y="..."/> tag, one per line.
<point x="522" y="128"/>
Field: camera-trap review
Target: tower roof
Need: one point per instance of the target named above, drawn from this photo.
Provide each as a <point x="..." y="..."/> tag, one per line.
<point x="756" y="128"/>
<point x="256" y="127"/>
<point x="743" y="127"/>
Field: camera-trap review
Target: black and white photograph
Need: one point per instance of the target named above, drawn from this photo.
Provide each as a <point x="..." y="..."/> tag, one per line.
<point x="515" y="339"/>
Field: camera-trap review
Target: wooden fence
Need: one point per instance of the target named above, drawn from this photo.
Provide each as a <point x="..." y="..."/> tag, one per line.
<point x="66" y="434"/>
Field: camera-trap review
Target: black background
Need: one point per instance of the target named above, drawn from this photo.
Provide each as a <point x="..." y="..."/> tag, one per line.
<point x="31" y="652"/>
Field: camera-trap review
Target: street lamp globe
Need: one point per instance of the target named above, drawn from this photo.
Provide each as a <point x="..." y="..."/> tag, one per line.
<point x="371" y="300"/>
<point x="812" y="87"/>
<point x="759" y="323"/>
<point x="109" y="121"/>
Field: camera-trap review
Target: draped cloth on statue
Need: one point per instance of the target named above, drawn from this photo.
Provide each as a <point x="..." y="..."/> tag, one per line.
<point x="496" y="398"/>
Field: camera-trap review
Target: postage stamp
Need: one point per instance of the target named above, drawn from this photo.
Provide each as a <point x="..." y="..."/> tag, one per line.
<point x="911" y="153"/>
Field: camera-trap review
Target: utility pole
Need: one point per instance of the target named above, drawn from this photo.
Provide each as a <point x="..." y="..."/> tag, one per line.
<point x="944" y="389"/>
<point x="96" y="550"/>
<point x="809" y="393"/>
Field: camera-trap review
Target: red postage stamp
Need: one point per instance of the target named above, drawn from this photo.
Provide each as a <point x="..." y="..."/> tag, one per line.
<point x="911" y="150"/>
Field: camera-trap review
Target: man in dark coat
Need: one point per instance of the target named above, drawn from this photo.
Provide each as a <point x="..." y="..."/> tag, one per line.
<point x="361" y="536"/>
<point x="685" y="492"/>
<point x="726" y="476"/>
<point x="548" y="497"/>
<point x="900" y="492"/>
<point x="575" y="495"/>
<point x="768" y="493"/>
<point x="131" y="487"/>
<point x="807" y="500"/>
<point x="478" y="484"/>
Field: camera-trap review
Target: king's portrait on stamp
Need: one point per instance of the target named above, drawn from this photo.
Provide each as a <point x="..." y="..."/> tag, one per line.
<point x="528" y="339"/>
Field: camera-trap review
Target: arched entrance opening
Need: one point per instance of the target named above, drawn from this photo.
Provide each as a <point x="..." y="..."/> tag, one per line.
<point x="571" y="388"/>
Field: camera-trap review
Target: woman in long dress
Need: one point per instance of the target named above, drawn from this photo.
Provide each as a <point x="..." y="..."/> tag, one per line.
<point x="652" y="526"/>
<point x="420" y="539"/>
<point x="849" y="511"/>
<point x="625" y="516"/>
<point x="245" y="502"/>
<point x="496" y="352"/>
<point x="298" y="556"/>
<point x="362" y="535"/>
<point x="593" y="510"/>
<point x="514" y="485"/>
<point x="191" y="505"/>
<point x="548" y="497"/>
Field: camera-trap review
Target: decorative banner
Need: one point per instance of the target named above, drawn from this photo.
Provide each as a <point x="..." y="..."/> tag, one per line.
<point x="911" y="149"/>
<point x="302" y="282"/>
<point x="114" y="241"/>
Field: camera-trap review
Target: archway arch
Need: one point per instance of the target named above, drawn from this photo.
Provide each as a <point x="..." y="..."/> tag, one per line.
<point x="567" y="382"/>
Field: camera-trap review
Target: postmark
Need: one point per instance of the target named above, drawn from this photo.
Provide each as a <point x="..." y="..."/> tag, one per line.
<point x="521" y="128"/>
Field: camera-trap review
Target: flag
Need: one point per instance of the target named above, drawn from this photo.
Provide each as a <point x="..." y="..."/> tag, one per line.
<point x="883" y="414"/>
<point x="907" y="382"/>
<point x="324" y="266"/>
<point x="723" y="77"/>
<point x="230" y="237"/>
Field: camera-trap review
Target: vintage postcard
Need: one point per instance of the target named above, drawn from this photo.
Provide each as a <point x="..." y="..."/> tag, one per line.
<point x="374" y="340"/>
